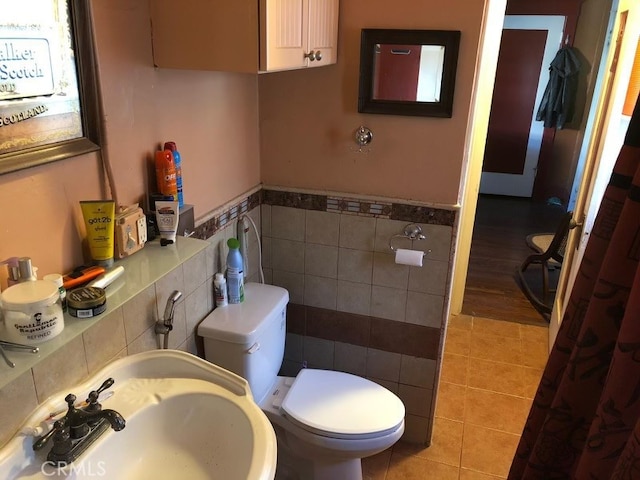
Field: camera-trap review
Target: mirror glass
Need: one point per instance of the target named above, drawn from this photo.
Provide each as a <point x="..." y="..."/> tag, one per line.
<point x="47" y="88"/>
<point x="408" y="72"/>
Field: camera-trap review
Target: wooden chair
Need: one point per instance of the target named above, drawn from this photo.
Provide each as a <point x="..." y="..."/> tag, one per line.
<point x="549" y="248"/>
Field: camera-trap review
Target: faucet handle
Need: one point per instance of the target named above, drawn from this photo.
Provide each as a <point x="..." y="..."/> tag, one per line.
<point x="44" y="439"/>
<point x="94" y="394"/>
<point x="92" y="399"/>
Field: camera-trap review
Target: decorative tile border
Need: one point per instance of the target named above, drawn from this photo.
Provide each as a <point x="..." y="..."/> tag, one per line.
<point x="353" y="206"/>
<point x="326" y="203"/>
<point x="209" y="228"/>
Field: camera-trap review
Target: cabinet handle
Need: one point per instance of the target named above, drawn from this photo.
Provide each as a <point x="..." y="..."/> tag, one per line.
<point x="313" y="55"/>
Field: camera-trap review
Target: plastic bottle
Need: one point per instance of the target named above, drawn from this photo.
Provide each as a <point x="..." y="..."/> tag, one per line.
<point x="220" y="290"/>
<point x="235" y="274"/>
<point x="166" y="174"/>
<point x="177" y="159"/>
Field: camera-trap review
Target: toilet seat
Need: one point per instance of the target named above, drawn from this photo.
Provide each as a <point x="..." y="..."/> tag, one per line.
<point x="341" y="405"/>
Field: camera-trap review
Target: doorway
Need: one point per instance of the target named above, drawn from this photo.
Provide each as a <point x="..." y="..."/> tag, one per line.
<point x="506" y="212"/>
<point x="591" y="43"/>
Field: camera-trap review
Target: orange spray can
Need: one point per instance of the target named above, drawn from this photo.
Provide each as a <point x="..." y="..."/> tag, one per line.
<point x="166" y="173"/>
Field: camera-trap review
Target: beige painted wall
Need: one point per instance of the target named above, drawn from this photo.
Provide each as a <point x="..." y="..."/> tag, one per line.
<point x="211" y="116"/>
<point x="308" y="119"/>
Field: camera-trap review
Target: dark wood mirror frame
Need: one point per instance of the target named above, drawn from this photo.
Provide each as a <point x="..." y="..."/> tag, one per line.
<point x="370" y="38"/>
<point x="85" y="62"/>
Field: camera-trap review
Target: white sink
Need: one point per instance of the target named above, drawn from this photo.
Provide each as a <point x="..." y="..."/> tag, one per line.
<point x="185" y="418"/>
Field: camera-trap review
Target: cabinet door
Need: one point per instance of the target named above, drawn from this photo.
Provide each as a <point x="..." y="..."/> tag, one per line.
<point x="284" y="34"/>
<point x="323" y="32"/>
<point x="292" y="29"/>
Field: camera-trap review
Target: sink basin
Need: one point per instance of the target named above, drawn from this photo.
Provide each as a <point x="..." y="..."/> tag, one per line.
<point x="185" y="418"/>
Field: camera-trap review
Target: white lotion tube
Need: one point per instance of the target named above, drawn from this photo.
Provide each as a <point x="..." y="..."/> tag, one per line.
<point x="167" y="214"/>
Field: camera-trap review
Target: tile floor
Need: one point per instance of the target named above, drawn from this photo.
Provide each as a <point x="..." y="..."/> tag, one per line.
<point x="490" y="373"/>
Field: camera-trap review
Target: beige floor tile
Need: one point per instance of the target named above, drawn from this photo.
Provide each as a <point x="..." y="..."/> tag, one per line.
<point x="496" y="410"/>
<point x="496" y="377"/>
<point x="466" y="474"/>
<point x="457" y="341"/>
<point x="446" y="444"/>
<point x="409" y="467"/>
<point x="535" y="333"/>
<point x="454" y="369"/>
<point x="488" y="451"/>
<point x="487" y="326"/>
<point x="461" y="322"/>
<point x="534" y="353"/>
<point x="496" y="348"/>
<point x="450" y="401"/>
<point x="531" y="381"/>
<point x="376" y="466"/>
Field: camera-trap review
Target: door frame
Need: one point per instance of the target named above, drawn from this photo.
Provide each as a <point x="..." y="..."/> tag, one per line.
<point x="603" y="145"/>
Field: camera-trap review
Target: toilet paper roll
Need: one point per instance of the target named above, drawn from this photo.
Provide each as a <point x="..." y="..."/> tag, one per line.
<point x="409" y="257"/>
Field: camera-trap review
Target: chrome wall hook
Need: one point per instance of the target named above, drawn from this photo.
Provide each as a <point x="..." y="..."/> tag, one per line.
<point x="363" y="137"/>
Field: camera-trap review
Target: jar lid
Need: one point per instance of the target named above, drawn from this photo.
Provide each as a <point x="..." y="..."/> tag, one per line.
<point x="86" y="297"/>
<point x="34" y="294"/>
<point x="55" y="278"/>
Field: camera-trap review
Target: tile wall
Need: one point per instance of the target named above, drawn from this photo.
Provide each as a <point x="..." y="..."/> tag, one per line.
<point x="352" y="308"/>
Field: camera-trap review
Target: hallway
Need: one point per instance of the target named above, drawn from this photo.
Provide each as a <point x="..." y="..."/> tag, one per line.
<point x="498" y="248"/>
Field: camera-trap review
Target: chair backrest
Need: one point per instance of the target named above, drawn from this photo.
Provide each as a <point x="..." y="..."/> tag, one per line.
<point x="559" y="243"/>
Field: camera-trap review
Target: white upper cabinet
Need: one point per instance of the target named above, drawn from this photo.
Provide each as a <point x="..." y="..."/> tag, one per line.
<point x="244" y="35"/>
<point x="298" y="33"/>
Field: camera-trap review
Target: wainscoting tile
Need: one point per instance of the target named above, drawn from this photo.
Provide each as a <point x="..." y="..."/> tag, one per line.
<point x="322" y="228"/>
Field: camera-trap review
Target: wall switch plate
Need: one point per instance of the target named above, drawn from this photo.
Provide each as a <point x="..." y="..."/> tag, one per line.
<point x="130" y="231"/>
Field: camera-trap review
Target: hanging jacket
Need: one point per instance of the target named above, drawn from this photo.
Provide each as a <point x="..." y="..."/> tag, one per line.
<point x="558" y="102"/>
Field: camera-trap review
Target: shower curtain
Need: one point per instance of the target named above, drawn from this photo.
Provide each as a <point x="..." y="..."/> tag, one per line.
<point x="584" y="422"/>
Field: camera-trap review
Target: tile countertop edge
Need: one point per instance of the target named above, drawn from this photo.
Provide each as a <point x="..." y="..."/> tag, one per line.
<point x="141" y="270"/>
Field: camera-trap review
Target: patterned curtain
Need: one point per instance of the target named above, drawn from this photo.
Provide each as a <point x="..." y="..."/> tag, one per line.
<point x="584" y="422"/>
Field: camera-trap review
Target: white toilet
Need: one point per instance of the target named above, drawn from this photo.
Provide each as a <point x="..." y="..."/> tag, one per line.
<point x="325" y="421"/>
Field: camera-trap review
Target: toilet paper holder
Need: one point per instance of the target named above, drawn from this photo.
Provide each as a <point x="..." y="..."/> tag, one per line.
<point x="411" y="232"/>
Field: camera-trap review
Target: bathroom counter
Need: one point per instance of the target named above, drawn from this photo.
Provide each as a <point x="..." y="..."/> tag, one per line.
<point x="142" y="269"/>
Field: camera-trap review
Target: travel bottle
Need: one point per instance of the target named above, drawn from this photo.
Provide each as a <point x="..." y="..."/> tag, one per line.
<point x="220" y="290"/>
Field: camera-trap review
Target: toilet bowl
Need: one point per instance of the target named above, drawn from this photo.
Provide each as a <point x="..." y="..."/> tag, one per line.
<point x="325" y="421"/>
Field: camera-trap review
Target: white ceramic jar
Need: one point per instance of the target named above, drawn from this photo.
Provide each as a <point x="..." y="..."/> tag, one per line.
<point x="32" y="312"/>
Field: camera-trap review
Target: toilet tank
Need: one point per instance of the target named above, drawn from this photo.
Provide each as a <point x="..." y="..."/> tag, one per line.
<point x="248" y="338"/>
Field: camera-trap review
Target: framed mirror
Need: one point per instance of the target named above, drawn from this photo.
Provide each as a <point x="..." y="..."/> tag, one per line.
<point x="408" y="72"/>
<point x="48" y="84"/>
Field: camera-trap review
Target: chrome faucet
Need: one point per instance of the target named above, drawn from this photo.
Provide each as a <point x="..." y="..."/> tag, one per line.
<point x="79" y="428"/>
<point x="165" y="325"/>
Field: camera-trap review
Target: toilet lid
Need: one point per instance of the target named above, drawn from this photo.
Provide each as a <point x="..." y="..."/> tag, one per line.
<point x="342" y="405"/>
